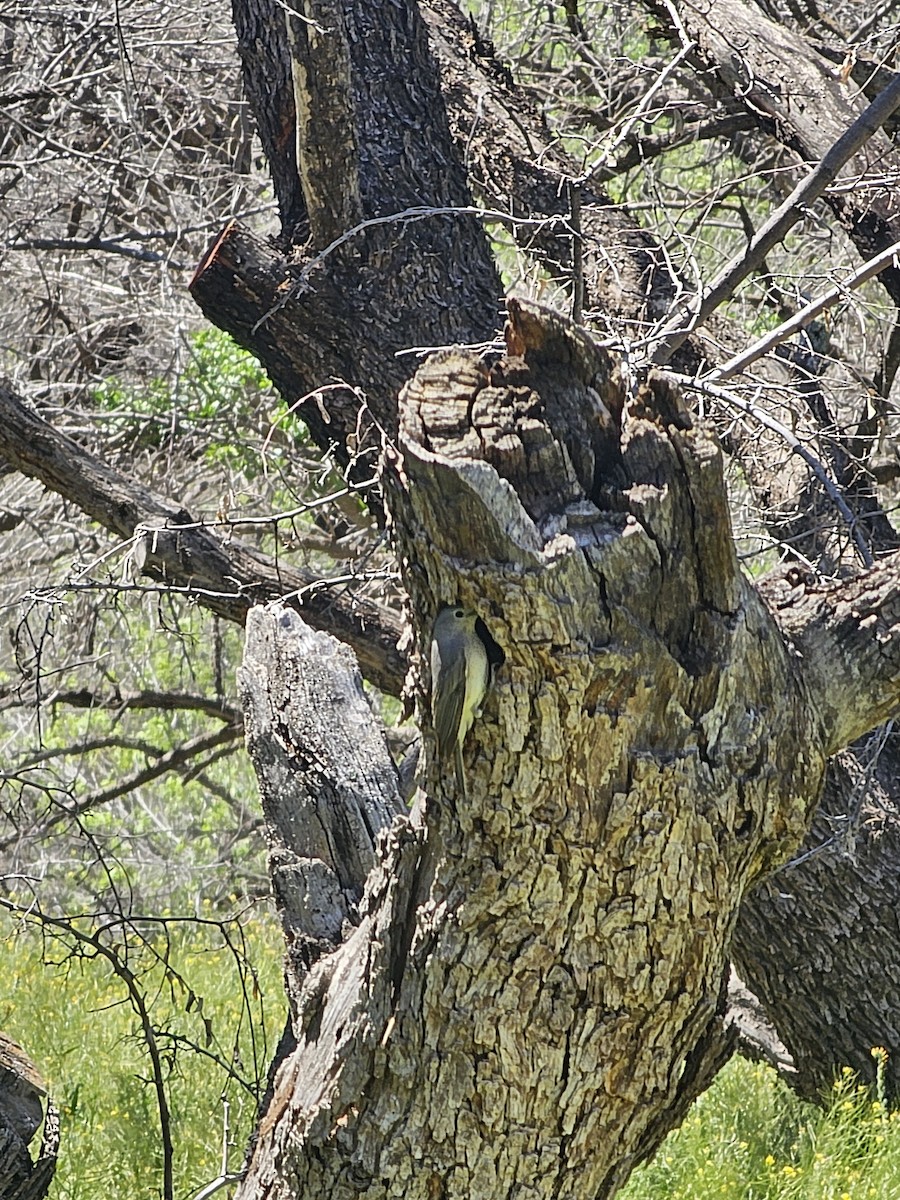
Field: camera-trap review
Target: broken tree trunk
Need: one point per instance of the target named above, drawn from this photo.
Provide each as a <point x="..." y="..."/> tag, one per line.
<point x="533" y="994"/>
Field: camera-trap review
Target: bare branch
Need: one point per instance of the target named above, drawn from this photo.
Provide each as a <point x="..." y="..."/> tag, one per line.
<point x="676" y="331"/>
<point x="174" y="760"/>
<point x="227" y="576"/>
<point x="802" y="451"/>
<point x="802" y="318"/>
<point x="119" y="701"/>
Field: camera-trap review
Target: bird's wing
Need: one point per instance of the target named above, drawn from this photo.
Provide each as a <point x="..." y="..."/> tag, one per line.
<point x="448" y="706"/>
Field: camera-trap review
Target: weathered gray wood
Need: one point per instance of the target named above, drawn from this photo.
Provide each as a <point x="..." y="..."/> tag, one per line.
<point x="327" y="782"/>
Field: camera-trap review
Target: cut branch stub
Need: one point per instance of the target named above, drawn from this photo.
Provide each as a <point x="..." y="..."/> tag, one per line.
<point x="592" y="531"/>
<point x="556" y="968"/>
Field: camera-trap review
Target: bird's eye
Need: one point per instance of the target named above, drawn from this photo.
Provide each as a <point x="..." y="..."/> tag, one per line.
<point x="459" y="614"/>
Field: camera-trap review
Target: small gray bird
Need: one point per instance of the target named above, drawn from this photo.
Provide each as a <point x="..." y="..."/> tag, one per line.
<point x="459" y="680"/>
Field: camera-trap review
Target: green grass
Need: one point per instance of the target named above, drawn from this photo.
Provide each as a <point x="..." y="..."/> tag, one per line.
<point x="77" y="1024"/>
<point x="747" y="1138"/>
<point x="750" y="1138"/>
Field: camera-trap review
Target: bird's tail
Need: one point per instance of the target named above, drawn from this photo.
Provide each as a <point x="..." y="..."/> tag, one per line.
<point x="460" y="773"/>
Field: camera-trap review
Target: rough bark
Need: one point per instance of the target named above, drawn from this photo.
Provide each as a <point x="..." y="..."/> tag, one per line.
<point x="23" y="1096"/>
<point x="509" y="155"/>
<point x="535" y="987"/>
<point x="818" y="941"/>
<point x="844" y="635"/>
<point x="515" y="165"/>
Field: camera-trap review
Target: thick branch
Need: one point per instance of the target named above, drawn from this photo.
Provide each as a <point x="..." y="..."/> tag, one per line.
<point x="227" y="577"/>
<point x="818" y="944"/>
<point x="848" y="639"/>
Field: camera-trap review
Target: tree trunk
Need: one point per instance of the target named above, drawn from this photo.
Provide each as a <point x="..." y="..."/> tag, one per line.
<point x="320" y="318"/>
<point x="819" y="941"/>
<point x="534" y="992"/>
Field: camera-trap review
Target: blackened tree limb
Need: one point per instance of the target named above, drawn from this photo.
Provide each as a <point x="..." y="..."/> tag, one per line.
<point x="383" y="291"/>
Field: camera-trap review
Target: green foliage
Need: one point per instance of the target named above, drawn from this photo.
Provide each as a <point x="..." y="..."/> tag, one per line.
<point x="747" y="1138"/>
<point x="750" y="1138"/>
<point x="216" y="396"/>
<point x="175" y="839"/>
<point x="217" y="1017"/>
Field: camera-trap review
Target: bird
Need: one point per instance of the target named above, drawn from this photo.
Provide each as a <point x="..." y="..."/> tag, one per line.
<point x="460" y="672"/>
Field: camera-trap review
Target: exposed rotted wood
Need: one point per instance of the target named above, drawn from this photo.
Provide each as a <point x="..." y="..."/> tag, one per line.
<point x="327" y="148"/>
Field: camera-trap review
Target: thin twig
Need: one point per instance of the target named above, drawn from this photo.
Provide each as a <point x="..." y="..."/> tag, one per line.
<point x="122" y="971"/>
<point x="683" y="323"/>
<point x="173" y="760"/>
<point x="802" y="318"/>
<point x="815" y="465"/>
<point x="687" y="45"/>
<point x="577" y="252"/>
